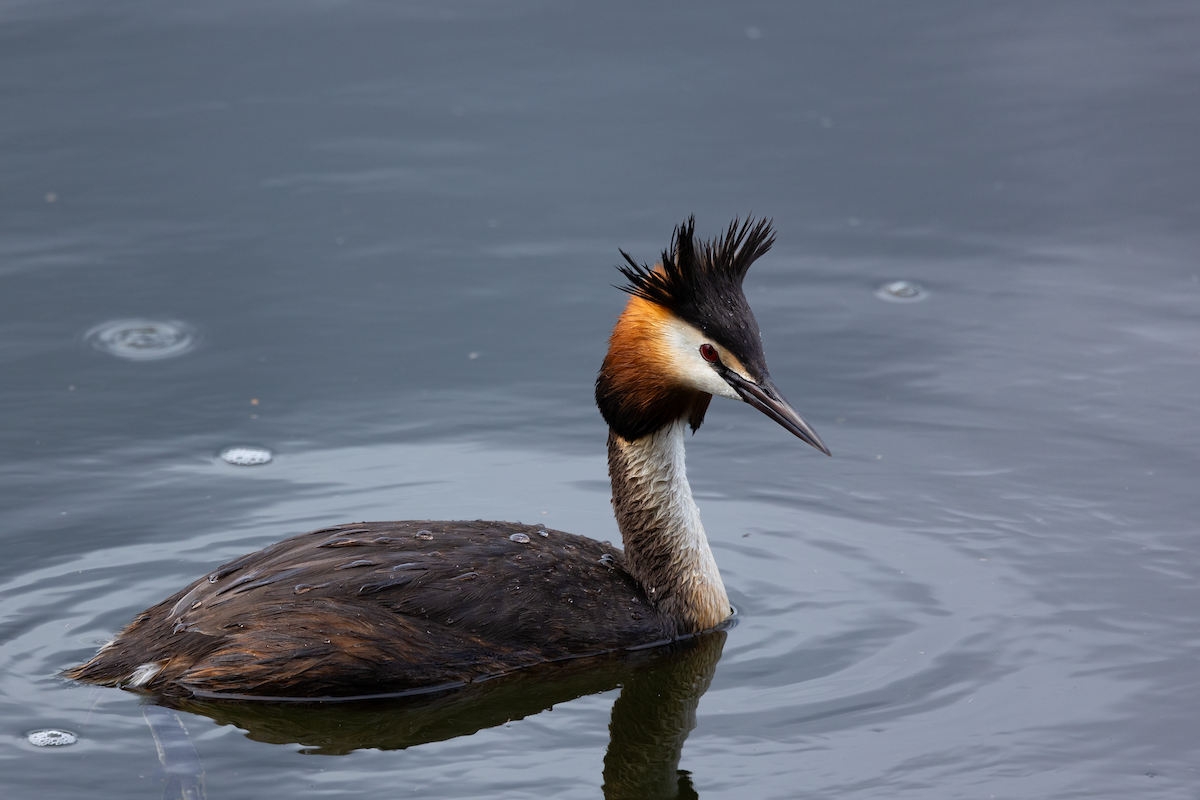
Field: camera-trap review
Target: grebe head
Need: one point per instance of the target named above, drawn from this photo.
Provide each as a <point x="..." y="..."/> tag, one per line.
<point x="687" y="334"/>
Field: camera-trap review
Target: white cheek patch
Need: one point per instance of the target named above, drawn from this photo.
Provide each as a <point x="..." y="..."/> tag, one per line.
<point x="682" y="343"/>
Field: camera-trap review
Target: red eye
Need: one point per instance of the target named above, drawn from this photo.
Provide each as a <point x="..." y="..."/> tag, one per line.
<point x="709" y="353"/>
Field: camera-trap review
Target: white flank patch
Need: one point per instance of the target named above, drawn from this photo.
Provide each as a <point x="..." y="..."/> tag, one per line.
<point x="143" y="674"/>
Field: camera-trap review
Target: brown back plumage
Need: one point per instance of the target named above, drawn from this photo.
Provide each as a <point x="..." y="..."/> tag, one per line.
<point x="385" y="607"/>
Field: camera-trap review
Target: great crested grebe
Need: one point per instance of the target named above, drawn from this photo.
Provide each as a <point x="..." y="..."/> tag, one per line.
<point x="393" y="607"/>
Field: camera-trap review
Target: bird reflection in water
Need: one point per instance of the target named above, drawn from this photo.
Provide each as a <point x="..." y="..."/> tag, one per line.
<point x="651" y="718"/>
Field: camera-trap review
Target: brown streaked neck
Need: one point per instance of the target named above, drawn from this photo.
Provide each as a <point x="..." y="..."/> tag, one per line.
<point x="666" y="550"/>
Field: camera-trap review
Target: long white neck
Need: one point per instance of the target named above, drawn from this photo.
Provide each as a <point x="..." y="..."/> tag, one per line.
<point x="666" y="550"/>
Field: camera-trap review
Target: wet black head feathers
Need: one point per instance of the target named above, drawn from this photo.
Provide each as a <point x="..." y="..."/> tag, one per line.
<point x="701" y="283"/>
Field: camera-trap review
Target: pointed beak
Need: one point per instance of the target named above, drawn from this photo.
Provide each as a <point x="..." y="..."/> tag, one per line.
<point x="767" y="399"/>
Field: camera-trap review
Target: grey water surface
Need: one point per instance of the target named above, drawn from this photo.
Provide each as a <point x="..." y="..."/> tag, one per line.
<point x="389" y="229"/>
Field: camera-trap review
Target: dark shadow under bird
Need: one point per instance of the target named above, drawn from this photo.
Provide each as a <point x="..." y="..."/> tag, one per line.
<point x="660" y="689"/>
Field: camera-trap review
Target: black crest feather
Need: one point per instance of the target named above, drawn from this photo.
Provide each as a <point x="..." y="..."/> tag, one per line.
<point x="701" y="282"/>
<point x="690" y="271"/>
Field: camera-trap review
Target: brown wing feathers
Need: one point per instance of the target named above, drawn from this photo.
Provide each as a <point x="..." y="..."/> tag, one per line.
<point x="358" y="609"/>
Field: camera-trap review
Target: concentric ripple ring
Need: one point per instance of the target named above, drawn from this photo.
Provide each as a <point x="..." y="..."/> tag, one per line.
<point x="143" y="339"/>
<point x="901" y="292"/>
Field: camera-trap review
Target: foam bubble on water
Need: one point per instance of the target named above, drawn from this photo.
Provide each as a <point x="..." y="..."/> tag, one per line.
<point x="142" y="339"/>
<point x="246" y="456"/>
<point x="51" y="738"/>
<point x="901" y="292"/>
<point x="520" y="538"/>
